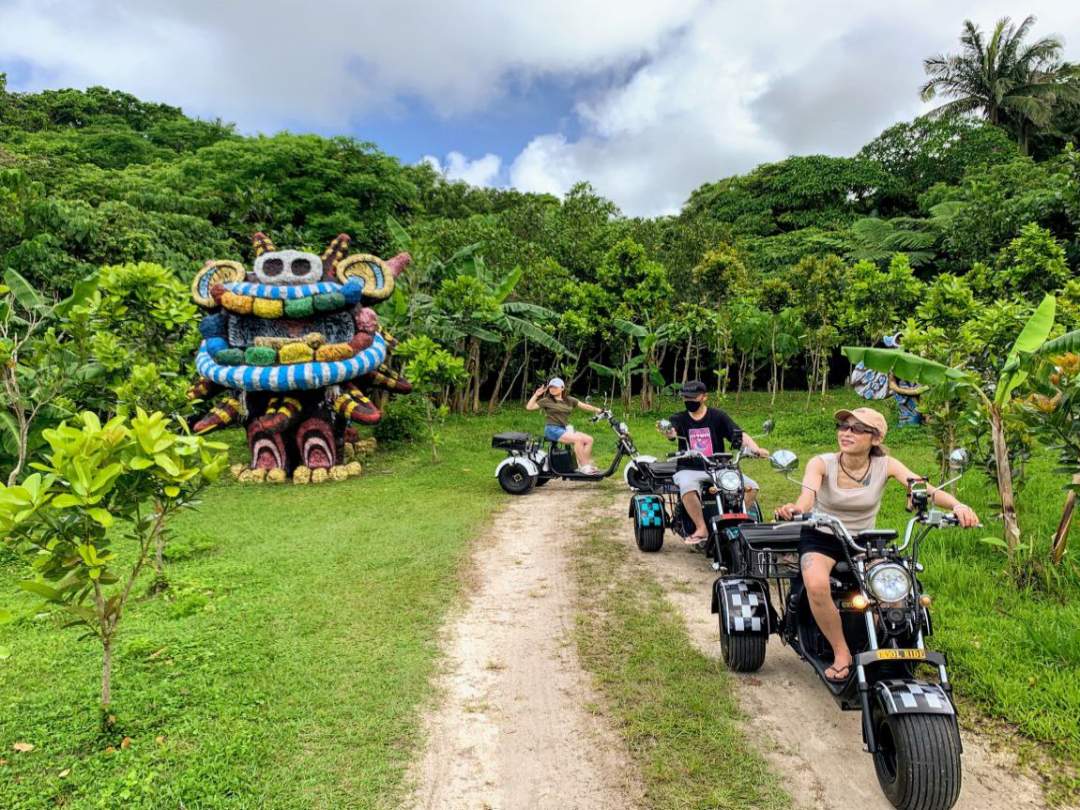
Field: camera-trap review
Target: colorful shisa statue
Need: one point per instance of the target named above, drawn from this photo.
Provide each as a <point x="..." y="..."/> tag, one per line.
<point x="292" y="350"/>
<point x="870" y="384"/>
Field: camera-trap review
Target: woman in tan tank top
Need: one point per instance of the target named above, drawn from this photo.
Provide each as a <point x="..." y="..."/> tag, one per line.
<point x="848" y="484"/>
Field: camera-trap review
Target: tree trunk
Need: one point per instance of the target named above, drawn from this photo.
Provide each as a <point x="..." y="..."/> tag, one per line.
<point x="1061" y="536"/>
<point x="106" y="672"/>
<point x="1004" y="480"/>
<point x="686" y="363"/>
<point x="493" y="401"/>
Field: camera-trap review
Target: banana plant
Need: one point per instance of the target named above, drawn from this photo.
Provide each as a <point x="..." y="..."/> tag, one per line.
<point x="992" y="400"/>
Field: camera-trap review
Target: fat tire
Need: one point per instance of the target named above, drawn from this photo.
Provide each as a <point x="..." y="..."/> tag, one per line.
<point x="742" y="652"/>
<point x="649" y="539"/>
<point x="918" y="759"/>
<point x="516" y="480"/>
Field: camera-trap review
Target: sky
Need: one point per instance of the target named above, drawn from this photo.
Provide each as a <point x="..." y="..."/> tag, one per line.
<point x="645" y="100"/>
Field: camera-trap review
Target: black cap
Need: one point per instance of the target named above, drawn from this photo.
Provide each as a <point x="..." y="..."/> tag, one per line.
<point x="692" y="388"/>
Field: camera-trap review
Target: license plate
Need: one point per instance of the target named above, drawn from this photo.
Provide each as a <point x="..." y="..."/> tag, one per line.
<point x="902" y="655"/>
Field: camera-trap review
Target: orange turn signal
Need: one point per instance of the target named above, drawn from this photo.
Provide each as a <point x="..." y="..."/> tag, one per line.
<point x="860" y="602"/>
<point x="925" y="600"/>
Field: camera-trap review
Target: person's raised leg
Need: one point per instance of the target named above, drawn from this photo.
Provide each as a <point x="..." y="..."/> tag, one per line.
<point x="816" y="569"/>
<point x="585" y="454"/>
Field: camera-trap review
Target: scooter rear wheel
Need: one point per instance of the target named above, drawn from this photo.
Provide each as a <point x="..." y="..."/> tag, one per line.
<point x="918" y="759"/>
<point x="516" y="479"/>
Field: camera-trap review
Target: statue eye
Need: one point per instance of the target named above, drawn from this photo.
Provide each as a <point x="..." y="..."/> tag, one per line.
<point x="273" y="267"/>
<point x="301" y="267"/>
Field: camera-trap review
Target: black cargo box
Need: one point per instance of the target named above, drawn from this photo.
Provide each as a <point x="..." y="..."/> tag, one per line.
<point x="510" y="441"/>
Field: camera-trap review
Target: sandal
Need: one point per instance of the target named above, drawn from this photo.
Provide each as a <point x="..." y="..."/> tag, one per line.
<point x="838" y="678"/>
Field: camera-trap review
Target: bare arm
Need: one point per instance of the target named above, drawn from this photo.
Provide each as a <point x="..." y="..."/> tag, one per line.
<point x="964" y="513"/>
<point x="532" y="404"/>
<point x="812" y="478"/>
<point x="585" y="406"/>
<point x="751" y="448"/>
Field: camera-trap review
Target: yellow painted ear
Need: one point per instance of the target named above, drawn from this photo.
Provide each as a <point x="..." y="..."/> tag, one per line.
<point x="214" y="272"/>
<point x="377" y="277"/>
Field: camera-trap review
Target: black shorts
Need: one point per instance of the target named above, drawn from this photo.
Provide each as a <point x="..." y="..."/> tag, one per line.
<point x="821" y="543"/>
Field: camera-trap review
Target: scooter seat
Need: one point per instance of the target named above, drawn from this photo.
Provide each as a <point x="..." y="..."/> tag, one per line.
<point x="659" y="469"/>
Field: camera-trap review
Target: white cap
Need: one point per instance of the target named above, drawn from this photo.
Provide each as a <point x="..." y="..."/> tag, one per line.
<point x="556" y="382"/>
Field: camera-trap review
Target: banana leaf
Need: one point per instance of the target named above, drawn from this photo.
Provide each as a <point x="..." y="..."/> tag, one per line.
<point x="1030" y="340"/>
<point x="905" y="366"/>
<point x="1069" y="342"/>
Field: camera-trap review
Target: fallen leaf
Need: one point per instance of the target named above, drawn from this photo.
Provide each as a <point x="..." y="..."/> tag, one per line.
<point x="110" y="750"/>
<point x="126" y="743"/>
<point x="23" y="748"/>
<point x="3" y="762"/>
<point x="64" y="773"/>
<point x="111" y="719"/>
<point x="160" y="739"/>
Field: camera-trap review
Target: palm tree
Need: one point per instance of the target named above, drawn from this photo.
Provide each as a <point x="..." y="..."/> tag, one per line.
<point x="1013" y="83"/>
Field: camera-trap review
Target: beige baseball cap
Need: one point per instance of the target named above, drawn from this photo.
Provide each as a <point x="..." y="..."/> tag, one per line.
<point x="868" y="416"/>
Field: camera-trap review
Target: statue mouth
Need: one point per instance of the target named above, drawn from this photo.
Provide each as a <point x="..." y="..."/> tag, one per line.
<point x="244" y="330"/>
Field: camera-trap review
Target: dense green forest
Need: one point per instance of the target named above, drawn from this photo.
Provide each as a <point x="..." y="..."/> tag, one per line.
<point x="949" y="228"/>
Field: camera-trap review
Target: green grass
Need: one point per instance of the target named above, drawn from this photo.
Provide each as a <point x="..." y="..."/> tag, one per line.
<point x="673" y="705"/>
<point x="285" y="668"/>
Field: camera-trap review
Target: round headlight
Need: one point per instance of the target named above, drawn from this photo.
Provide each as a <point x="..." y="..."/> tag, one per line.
<point x="623" y="428"/>
<point x="889" y="582"/>
<point x="730" y="481"/>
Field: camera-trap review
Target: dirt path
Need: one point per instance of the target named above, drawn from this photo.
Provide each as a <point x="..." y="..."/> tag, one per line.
<point x="513" y="730"/>
<point x="806" y="737"/>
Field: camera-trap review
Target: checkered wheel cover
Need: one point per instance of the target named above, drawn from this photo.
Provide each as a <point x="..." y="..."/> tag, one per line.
<point x="650" y="511"/>
<point x="745" y="607"/>
<point x="913" y="697"/>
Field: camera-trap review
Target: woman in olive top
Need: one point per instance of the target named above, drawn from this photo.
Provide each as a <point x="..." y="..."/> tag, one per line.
<point x="848" y="484"/>
<point x="557" y="406"/>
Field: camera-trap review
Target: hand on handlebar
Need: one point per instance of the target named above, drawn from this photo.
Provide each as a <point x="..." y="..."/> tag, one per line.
<point x="789" y="511"/>
<point x="965" y="517"/>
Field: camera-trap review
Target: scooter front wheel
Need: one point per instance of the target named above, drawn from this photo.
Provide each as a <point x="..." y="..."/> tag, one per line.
<point x="918" y="759"/>
<point x="516" y="479"/>
<point x="742" y="652"/>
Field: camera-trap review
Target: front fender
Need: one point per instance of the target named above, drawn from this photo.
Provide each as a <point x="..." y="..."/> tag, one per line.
<point x="633" y="463"/>
<point x="743" y="606"/>
<point x="527" y="463"/>
<point x="897" y="696"/>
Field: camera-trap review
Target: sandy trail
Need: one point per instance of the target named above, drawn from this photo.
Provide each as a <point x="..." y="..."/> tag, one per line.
<point x="513" y="730"/>
<point x="815" y="746"/>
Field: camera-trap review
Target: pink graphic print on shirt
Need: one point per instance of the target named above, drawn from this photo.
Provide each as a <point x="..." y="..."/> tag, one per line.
<point x="701" y="440"/>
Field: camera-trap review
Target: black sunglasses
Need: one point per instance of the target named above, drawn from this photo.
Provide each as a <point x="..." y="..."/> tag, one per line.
<point x="857" y="429"/>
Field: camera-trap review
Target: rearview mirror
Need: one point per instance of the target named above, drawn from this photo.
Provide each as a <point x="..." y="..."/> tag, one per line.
<point x="736" y="439"/>
<point x="959" y="459"/>
<point x="784" y="460"/>
<point x="664" y="425"/>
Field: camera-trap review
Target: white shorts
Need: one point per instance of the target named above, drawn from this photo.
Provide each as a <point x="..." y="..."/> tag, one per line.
<point x="691" y="481"/>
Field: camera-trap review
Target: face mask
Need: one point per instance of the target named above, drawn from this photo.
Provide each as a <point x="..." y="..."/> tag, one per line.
<point x="692" y="406"/>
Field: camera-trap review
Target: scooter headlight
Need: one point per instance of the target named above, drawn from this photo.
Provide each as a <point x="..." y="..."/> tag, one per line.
<point x="889" y="582"/>
<point x="730" y="481"/>
<point x="623" y="428"/>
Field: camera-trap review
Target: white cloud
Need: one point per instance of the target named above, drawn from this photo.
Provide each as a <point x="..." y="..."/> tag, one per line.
<point x="484" y="171"/>
<point x="695" y="89"/>
<point x="322" y="64"/>
<point x="747" y="83"/>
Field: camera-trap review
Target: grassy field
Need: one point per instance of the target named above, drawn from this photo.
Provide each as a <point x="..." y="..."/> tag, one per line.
<point x="285" y="666"/>
<point x="288" y="664"/>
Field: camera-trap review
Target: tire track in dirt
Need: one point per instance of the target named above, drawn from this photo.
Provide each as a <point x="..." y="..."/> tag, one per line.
<point x="803" y="734"/>
<point x="512" y="729"/>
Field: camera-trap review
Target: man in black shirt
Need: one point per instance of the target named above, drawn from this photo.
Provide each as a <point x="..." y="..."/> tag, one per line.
<point x="705" y="429"/>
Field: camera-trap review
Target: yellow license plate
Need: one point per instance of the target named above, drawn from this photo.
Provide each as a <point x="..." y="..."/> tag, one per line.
<point x="902" y="655"/>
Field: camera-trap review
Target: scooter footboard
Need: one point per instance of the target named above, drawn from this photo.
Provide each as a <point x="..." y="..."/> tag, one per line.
<point x="743" y="605"/>
<point x="912" y="697"/>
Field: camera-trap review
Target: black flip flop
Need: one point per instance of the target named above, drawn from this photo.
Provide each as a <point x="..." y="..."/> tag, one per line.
<point x="840" y="679"/>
